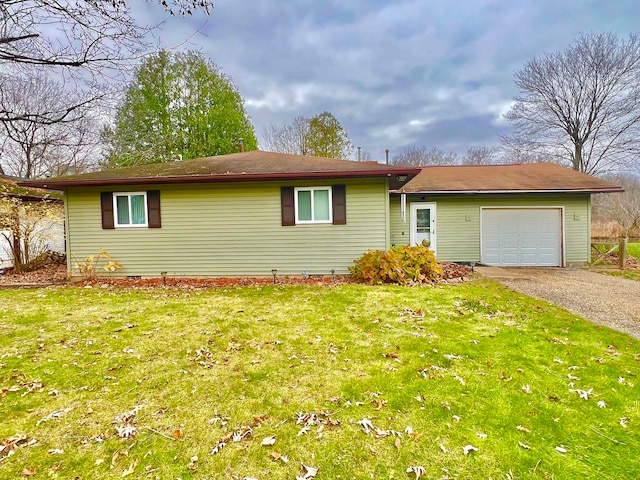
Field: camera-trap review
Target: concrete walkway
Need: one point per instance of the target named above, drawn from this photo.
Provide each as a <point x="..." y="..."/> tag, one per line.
<point x="603" y="299"/>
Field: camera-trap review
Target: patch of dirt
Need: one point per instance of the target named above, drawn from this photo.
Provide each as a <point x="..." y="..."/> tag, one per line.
<point x="56" y="274"/>
<point x="43" y="276"/>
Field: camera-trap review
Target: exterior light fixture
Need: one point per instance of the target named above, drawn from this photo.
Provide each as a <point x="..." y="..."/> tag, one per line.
<point x="164" y="277"/>
<point x="274" y="272"/>
<point x="401" y="178"/>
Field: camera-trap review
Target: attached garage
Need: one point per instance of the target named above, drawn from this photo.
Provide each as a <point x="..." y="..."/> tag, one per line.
<point x="522" y="237"/>
<point x="521" y="215"/>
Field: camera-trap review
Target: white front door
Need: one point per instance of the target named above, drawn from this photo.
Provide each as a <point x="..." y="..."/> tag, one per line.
<point x="423" y="224"/>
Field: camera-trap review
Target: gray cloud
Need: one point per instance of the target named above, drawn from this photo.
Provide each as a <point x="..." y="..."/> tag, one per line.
<point x="395" y="73"/>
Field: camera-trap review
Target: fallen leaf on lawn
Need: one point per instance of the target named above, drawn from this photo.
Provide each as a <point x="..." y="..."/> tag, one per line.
<point x="418" y="470"/>
<point x="601" y="404"/>
<point x="584" y="394"/>
<point x="623" y="422"/>
<point x="456" y="418"/>
<point x="126" y="431"/>
<point x="177" y="434"/>
<point x="192" y="464"/>
<point x="249" y="478"/>
<point x="54" y="414"/>
<point x="28" y="472"/>
<point x="267" y="441"/>
<point x="366" y="425"/>
<point x="481" y="435"/>
<point x="467" y="449"/>
<point x="56" y="451"/>
<point x="561" y="449"/>
<point x="524" y="445"/>
<point x="303" y="431"/>
<point x="379" y="404"/>
<point x="443" y="448"/>
<point x="241" y="434"/>
<point x="99" y="461"/>
<point x="219" y="446"/>
<point x="276" y="455"/>
<point x="526" y="388"/>
<point x="132" y="467"/>
<point x="309" y="472"/>
<point x="523" y="429"/>
<point x="420" y="398"/>
<point x="8" y="446"/>
<point x="117" y="454"/>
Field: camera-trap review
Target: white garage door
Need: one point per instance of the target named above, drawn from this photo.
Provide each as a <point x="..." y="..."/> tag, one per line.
<point x="522" y="237"/>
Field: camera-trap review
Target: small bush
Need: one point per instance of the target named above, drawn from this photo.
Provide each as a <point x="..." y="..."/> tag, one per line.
<point x="403" y="265"/>
<point x="89" y="268"/>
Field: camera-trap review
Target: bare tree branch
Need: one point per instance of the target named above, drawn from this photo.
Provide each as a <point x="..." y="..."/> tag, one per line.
<point x="421" y="157"/>
<point x="85" y="41"/>
<point x="581" y="106"/>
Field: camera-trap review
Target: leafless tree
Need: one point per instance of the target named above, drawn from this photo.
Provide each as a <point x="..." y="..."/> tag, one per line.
<point x="480" y="156"/>
<point x="622" y="208"/>
<point x="365" y="156"/>
<point x="581" y="106"/>
<point x="32" y="149"/>
<point x="421" y="157"/>
<point x="321" y="135"/>
<point x="84" y="41"/>
<point x="288" y="138"/>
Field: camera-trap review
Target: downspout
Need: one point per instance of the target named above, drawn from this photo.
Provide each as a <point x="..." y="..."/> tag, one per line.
<point x="67" y="240"/>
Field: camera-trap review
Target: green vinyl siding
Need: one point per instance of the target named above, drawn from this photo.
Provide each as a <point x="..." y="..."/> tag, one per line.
<point x="458" y="222"/>
<point x="231" y="229"/>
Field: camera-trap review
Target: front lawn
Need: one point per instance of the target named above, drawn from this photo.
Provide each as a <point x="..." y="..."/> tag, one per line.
<point x="466" y="381"/>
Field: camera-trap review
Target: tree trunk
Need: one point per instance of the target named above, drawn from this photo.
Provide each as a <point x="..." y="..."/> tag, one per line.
<point x="577" y="157"/>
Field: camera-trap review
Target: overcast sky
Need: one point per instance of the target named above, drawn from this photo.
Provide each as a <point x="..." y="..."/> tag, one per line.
<point x="394" y="73"/>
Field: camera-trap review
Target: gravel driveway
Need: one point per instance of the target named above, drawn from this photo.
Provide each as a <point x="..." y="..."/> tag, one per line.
<point x="610" y="301"/>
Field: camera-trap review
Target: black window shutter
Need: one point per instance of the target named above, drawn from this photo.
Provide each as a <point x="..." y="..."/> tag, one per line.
<point x="339" y="204"/>
<point x="153" y="208"/>
<point x="288" y="206"/>
<point x="106" y="205"/>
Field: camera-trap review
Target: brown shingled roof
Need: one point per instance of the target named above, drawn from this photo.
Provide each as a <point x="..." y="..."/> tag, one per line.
<point x="528" y="177"/>
<point x="9" y="188"/>
<point x="244" y="166"/>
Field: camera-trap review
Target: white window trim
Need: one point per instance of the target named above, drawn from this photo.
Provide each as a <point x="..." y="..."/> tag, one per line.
<point x="115" y="210"/>
<point x="312" y="189"/>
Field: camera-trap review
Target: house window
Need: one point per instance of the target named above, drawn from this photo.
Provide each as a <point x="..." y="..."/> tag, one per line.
<point x="313" y="205"/>
<point x="130" y="209"/>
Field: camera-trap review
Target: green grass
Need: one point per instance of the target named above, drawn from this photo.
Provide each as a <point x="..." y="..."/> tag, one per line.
<point x="628" y="274"/>
<point x="633" y="249"/>
<point x="471" y="364"/>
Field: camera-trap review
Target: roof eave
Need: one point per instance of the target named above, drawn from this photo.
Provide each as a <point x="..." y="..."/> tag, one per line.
<point x="476" y="191"/>
<point x="218" y="178"/>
